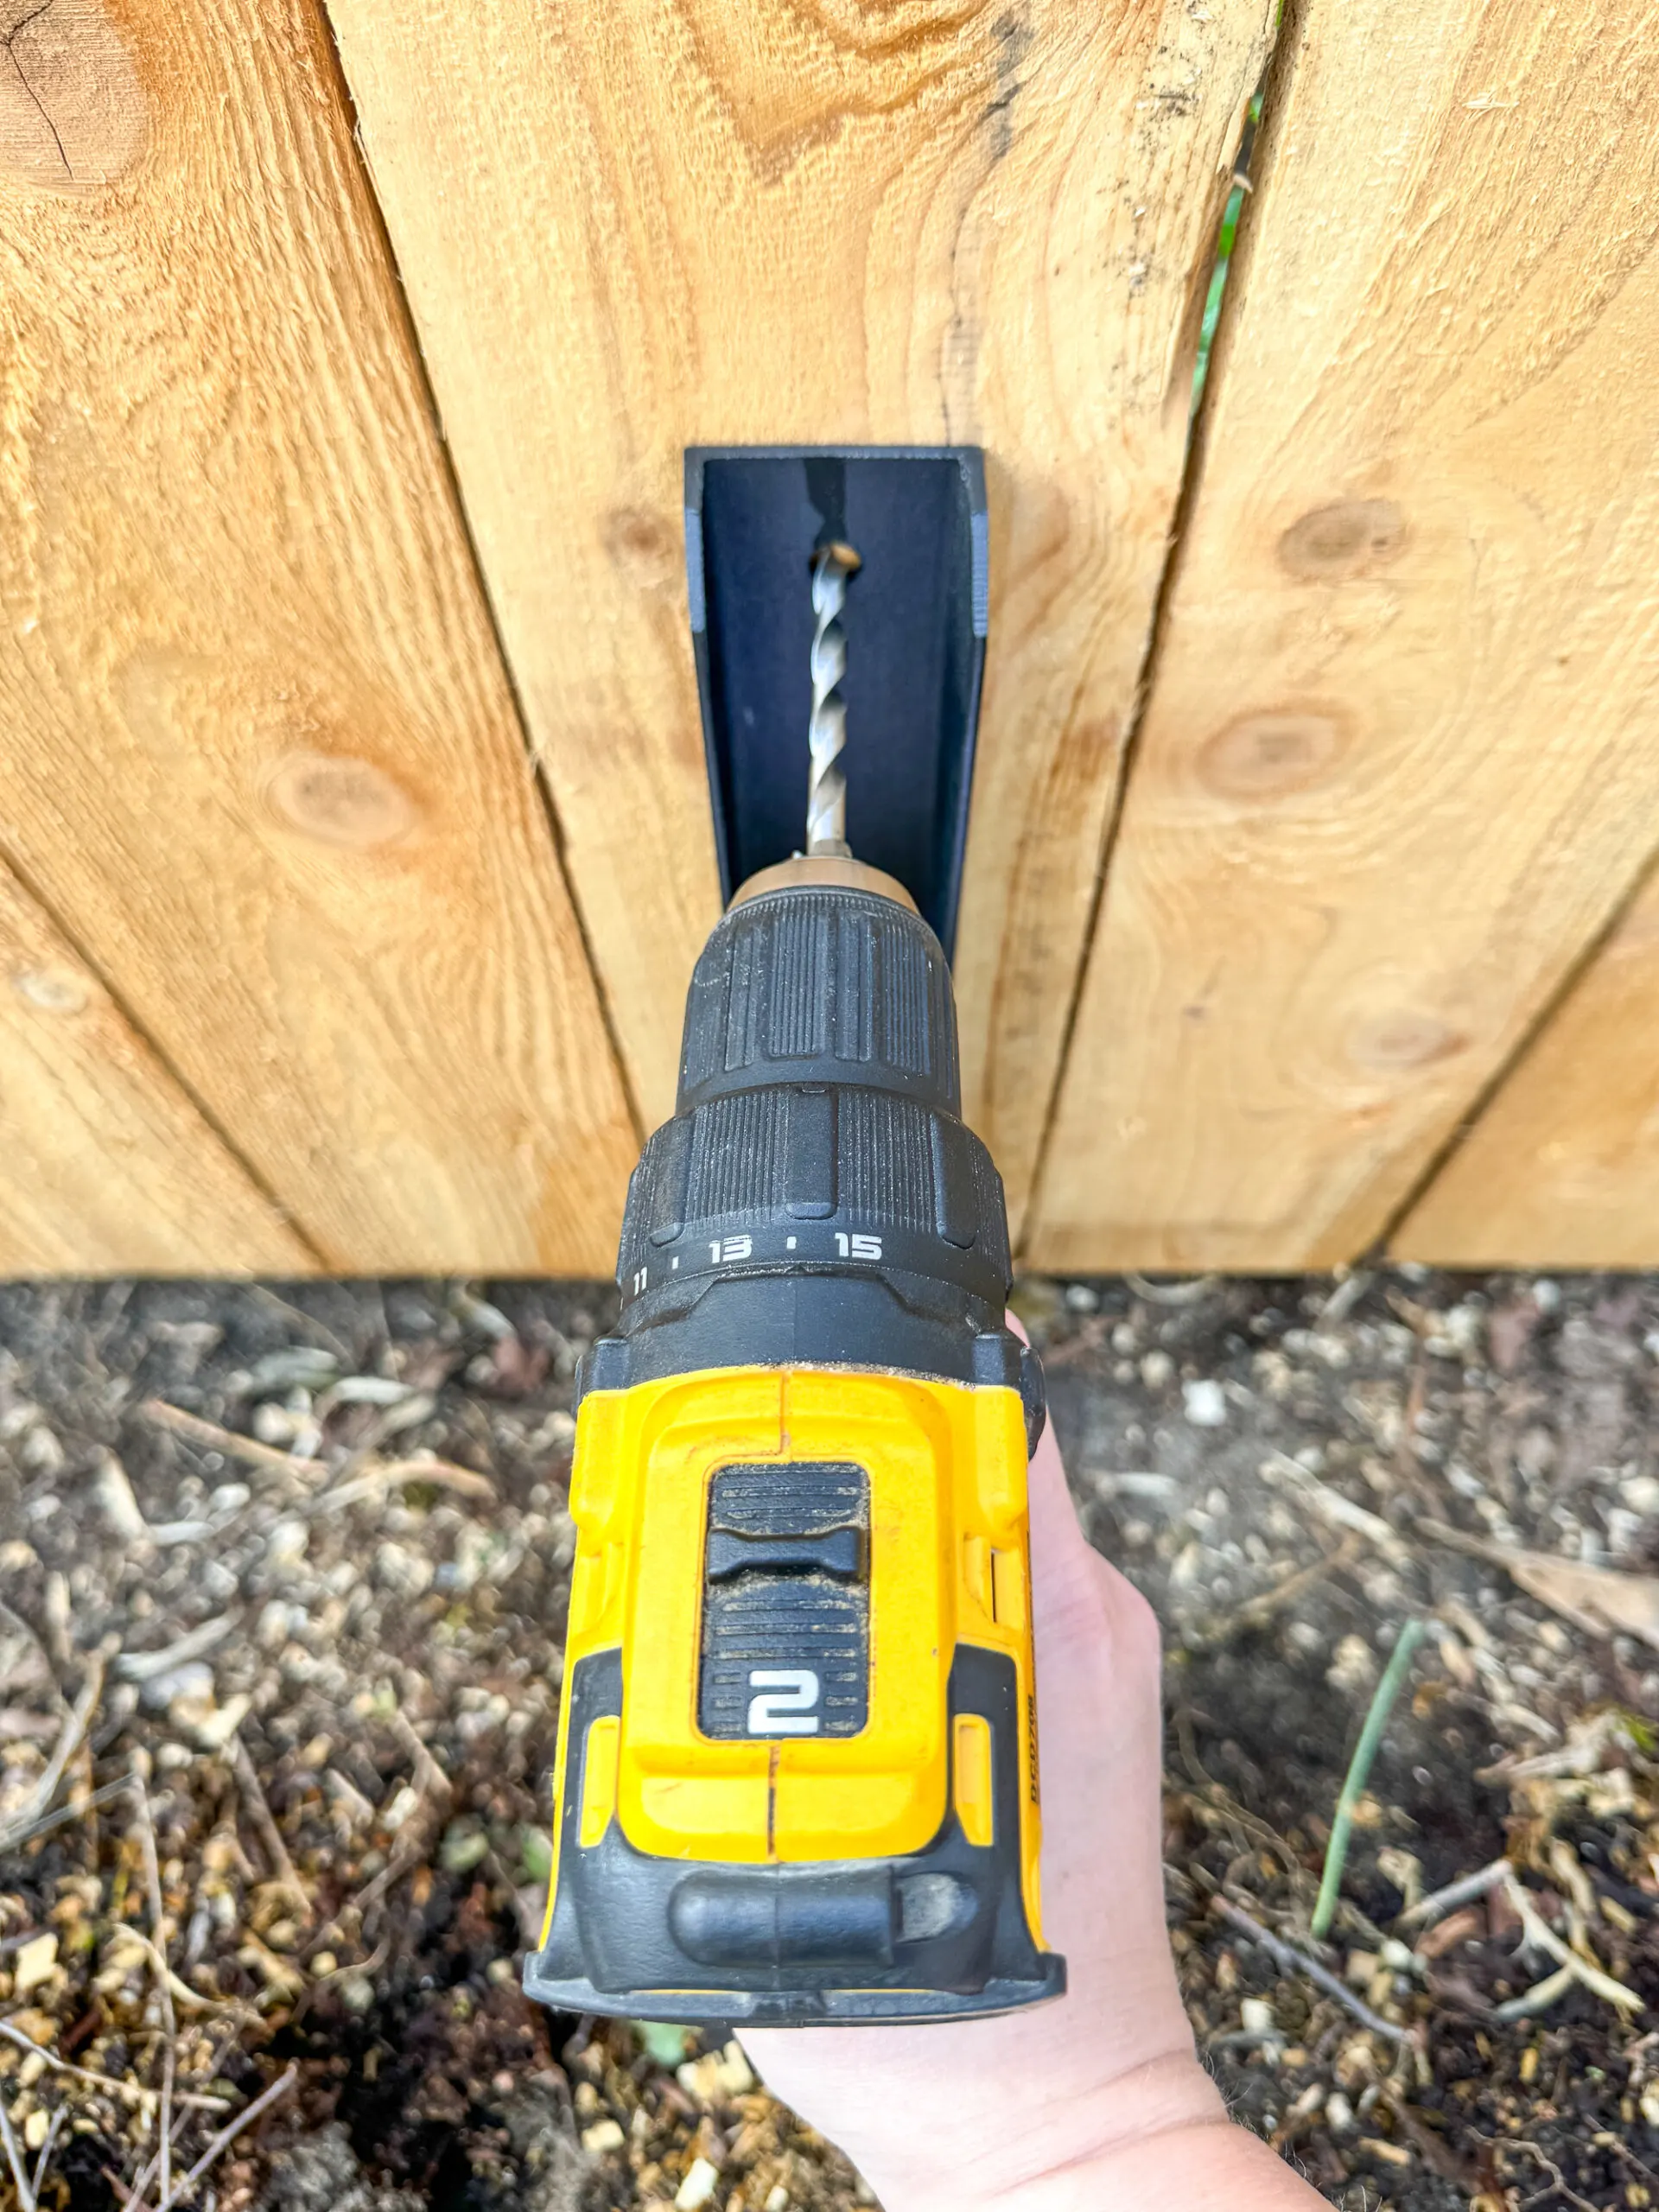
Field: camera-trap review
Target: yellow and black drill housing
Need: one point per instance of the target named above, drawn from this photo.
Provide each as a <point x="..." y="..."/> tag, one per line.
<point x="797" y="1777"/>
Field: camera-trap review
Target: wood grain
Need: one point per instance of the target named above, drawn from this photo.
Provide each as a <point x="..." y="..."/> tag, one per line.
<point x="105" y="1165"/>
<point x="1562" y="1168"/>
<point x="260" y="754"/>
<point x="1400" y="757"/>
<point x="642" y="224"/>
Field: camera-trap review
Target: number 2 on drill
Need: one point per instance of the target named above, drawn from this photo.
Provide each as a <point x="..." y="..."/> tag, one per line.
<point x="785" y="1707"/>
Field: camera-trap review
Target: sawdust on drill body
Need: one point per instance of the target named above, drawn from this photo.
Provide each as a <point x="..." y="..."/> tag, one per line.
<point x="285" y="1577"/>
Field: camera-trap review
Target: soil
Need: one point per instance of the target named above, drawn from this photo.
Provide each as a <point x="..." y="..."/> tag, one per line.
<point x="318" y="1638"/>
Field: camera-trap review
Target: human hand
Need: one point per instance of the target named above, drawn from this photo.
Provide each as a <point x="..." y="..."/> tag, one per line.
<point x="1099" y="2097"/>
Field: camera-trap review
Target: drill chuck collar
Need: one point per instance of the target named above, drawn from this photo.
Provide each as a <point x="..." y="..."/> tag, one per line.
<point x="816" y="1199"/>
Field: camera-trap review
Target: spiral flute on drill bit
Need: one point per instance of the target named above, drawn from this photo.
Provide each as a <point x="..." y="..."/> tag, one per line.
<point x="826" y="802"/>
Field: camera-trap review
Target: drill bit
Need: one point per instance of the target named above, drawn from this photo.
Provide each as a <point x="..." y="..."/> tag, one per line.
<point x="826" y="798"/>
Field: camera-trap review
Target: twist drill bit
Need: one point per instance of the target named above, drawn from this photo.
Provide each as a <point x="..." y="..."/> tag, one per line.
<point x="826" y="801"/>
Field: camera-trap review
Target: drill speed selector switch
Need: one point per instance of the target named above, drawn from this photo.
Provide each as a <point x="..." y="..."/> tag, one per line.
<point x="797" y="1778"/>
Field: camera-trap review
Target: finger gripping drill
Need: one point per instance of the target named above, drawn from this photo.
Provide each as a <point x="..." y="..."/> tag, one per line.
<point x="796" y="1776"/>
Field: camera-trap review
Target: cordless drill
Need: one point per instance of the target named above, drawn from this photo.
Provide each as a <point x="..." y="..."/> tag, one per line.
<point x="797" y="1777"/>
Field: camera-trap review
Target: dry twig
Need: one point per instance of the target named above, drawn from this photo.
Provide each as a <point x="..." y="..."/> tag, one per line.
<point x="1464" y="1890"/>
<point x="432" y="1785"/>
<point x="228" y="2135"/>
<point x="270" y="1835"/>
<point x="1280" y="1467"/>
<point x="69" y="1739"/>
<point x="15" y="2160"/>
<point x="1573" y="1968"/>
<point x="133" y="2092"/>
<point x="1255" y="1611"/>
<point x="1289" y="1960"/>
<point x="163" y="1974"/>
<point x="247" y="1449"/>
<point x="54" y="2130"/>
<point x="442" y="1474"/>
<point x="182" y="1991"/>
<point x="1558" y="2182"/>
<point x="147" y="1666"/>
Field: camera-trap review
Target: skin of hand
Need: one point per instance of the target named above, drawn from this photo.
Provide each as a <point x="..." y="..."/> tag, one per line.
<point x="1097" y="2098"/>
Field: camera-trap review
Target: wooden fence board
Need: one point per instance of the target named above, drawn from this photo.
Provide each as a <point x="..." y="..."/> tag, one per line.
<point x="632" y="226"/>
<point x="105" y="1165"/>
<point x="260" y="754"/>
<point x="1400" y="757"/>
<point x="1562" y="1168"/>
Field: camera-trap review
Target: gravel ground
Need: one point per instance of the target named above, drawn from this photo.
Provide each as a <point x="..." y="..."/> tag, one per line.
<point x="283" y="1573"/>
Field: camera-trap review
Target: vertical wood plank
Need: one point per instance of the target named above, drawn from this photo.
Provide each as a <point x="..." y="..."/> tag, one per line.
<point x="1402" y="754"/>
<point x="632" y="226"/>
<point x="1562" y="1168"/>
<point x="260" y="752"/>
<point x="105" y="1165"/>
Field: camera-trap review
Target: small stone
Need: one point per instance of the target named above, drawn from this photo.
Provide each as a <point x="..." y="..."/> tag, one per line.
<point x="116" y="1503"/>
<point x="1338" y="2112"/>
<point x="700" y="2180"/>
<point x="776" y="2199"/>
<point x="1204" y="1403"/>
<point x="357" y="1994"/>
<point x="604" y="2135"/>
<point x="1157" y="1370"/>
<point x="285" y="1546"/>
<point x="662" y="2043"/>
<point x="1387" y="2153"/>
<point x="1256" y="2017"/>
<point x="35" y="2127"/>
<point x="736" y="2075"/>
<point x="405" y="1805"/>
<point x="35" y="1963"/>
<point x="39" y="1451"/>
<point x="323" y="1963"/>
<point x="1353" y="1667"/>
<point x="405" y="1573"/>
<point x="215" y="1732"/>
<point x="700" y="2079"/>
<point x="272" y="1423"/>
<point x="1640" y="1495"/>
<point x="1184" y="1568"/>
<point x="1649" y="2104"/>
<point x="191" y="1685"/>
<point x="1082" y="1298"/>
<point x="462" y="1847"/>
<point x="1624" y="1527"/>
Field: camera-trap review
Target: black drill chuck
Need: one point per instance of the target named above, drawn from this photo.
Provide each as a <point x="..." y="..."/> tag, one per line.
<point x="816" y="1197"/>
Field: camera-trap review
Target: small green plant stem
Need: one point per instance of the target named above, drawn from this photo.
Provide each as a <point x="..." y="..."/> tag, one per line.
<point x="1359" y="1768"/>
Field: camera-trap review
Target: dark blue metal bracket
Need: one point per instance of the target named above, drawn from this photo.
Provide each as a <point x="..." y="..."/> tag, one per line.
<point x="915" y="624"/>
